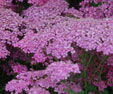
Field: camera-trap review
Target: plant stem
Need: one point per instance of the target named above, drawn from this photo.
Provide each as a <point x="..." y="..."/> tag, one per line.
<point x="84" y="71"/>
<point x="85" y="81"/>
<point x="104" y="59"/>
<point x="89" y="61"/>
<point x="102" y="62"/>
<point x="85" y="65"/>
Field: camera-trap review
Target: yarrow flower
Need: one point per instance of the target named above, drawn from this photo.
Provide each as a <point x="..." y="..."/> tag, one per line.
<point x="97" y="8"/>
<point x="17" y="86"/>
<point x="9" y="29"/>
<point x="60" y="70"/>
<point x="50" y="33"/>
<point x="101" y="85"/>
<point x="47" y="78"/>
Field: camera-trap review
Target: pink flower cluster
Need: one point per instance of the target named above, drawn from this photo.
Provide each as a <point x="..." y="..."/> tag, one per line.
<point x="9" y="29"/>
<point x="51" y="34"/>
<point x="100" y="9"/>
<point x="36" y="2"/>
<point x="50" y="77"/>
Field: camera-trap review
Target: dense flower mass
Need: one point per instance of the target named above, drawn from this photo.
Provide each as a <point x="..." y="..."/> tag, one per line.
<point x="46" y="15"/>
<point x="90" y="34"/>
<point x="61" y="70"/>
<point x="97" y="8"/>
<point x="36" y="2"/>
<point x="9" y="29"/>
<point x="54" y="73"/>
<point x="47" y="46"/>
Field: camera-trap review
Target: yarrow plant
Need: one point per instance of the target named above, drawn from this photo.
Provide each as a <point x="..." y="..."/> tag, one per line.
<point x="97" y="8"/>
<point x="48" y="48"/>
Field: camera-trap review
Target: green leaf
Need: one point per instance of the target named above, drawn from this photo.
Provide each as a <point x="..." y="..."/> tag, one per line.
<point x="68" y="91"/>
<point x="105" y="92"/>
<point x="82" y="92"/>
<point x="78" y="75"/>
<point x="96" y="5"/>
<point x="67" y="1"/>
<point x="91" y="88"/>
<point x="63" y="81"/>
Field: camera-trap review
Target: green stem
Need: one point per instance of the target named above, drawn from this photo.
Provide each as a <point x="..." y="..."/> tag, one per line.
<point x="89" y="61"/>
<point x="84" y="71"/>
<point x="85" y="80"/>
<point x="104" y="59"/>
<point x="102" y="62"/>
<point x="2" y="89"/>
<point x="85" y="65"/>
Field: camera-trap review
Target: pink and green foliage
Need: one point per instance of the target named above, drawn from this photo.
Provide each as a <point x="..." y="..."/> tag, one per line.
<point x="97" y="8"/>
<point x="49" y="47"/>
